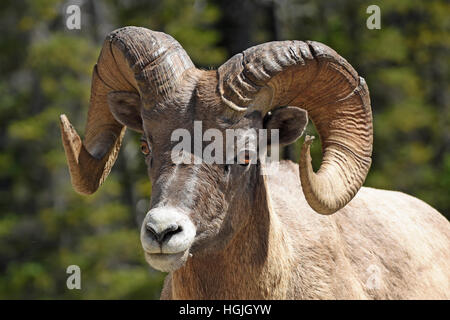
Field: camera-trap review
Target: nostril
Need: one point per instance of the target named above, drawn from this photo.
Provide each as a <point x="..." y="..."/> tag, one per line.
<point x="165" y="234"/>
<point x="172" y="228"/>
<point x="170" y="231"/>
<point x="151" y="230"/>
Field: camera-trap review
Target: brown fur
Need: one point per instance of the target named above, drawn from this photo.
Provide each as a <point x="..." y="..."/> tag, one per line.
<point x="294" y="253"/>
<point x="256" y="237"/>
<point x="260" y="239"/>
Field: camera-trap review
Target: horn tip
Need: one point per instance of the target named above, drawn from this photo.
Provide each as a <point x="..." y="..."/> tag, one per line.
<point x="309" y="139"/>
<point x="65" y="123"/>
<point x="67" y="128"/>
<point x="71" y="140"/>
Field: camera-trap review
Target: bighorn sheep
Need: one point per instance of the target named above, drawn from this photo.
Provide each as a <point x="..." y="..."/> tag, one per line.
<point x="228" y="231"/>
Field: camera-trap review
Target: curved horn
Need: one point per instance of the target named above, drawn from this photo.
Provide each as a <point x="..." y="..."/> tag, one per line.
<point x="314" y="77"/>
<point x="132" y="59"/>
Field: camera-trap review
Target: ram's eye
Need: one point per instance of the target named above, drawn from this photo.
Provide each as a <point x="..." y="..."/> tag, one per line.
<point x="145" y="149"/>
<point x="245" y="158"/>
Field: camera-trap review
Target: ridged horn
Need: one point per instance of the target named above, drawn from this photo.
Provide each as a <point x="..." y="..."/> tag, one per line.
<point x="132" y="59"/>
<point x="314" y="77"/>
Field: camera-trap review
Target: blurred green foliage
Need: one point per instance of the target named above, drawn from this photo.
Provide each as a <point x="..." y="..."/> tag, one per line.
<point x="46" y="70"/>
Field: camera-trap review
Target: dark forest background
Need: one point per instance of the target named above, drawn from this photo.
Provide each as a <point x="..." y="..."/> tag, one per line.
<point x="45" y="70"/>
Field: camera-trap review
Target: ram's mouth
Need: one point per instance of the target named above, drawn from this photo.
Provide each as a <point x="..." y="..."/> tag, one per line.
<point x="167" y="262"/>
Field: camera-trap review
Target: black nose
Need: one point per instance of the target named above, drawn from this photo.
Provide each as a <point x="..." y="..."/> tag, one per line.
<point x="162" y="234"/>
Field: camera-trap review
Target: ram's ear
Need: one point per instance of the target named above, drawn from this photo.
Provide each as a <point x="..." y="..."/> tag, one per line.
<point x="126" y="108"/>
<point x="290" y="121"/>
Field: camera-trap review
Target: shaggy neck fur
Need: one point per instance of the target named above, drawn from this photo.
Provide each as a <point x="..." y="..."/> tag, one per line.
<point x="253" y="266"/>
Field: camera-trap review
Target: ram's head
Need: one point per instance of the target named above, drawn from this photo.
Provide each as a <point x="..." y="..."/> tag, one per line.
<point x="144" y="80"/>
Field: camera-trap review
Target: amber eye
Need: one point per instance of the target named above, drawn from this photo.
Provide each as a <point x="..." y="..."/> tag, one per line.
<point x="245" y="158"/>
<point x="144" y="148"/>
